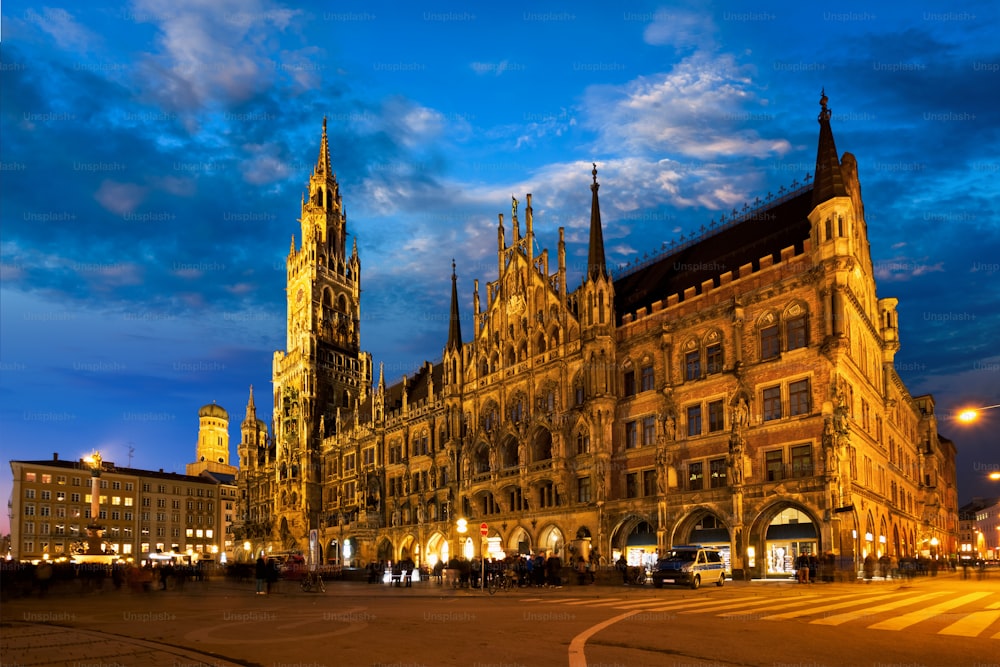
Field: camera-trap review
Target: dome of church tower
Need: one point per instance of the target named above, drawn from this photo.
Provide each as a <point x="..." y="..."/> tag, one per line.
<point x="213" y="410"/>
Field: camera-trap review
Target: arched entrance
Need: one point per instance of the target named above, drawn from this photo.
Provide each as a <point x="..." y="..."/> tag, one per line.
<point x="384" y="550"/>
<point x="519" y="541"/>
<point x="787" y="532"/>
<point x="636" y="539"/>
<point x="707" y="529"/>
<point x="437" y="550"/>
<point x="551" y="541"/>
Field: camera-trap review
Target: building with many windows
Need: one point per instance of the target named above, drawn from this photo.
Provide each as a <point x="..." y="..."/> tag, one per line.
<point x="737" y="389"/>
<point x="141" y="511"/>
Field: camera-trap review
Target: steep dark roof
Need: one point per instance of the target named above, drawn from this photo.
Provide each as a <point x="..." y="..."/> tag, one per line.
<point x="766" y="232"/>
<point x="828" y="181"/>
<point x="416" y="387"/>
<point x="596" y="265"/>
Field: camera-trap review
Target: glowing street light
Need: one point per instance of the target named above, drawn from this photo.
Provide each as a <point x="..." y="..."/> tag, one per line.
<point x="972" y="414"/>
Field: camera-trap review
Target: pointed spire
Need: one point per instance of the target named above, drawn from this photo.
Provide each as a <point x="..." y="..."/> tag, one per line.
<point x="828" y="180"/>
<point x="323" y="162"/>
<point x="251" y="408"/>
<point x="381" y="376"/>
<point x="454" y="323"/>
<point x="595" y="257"/>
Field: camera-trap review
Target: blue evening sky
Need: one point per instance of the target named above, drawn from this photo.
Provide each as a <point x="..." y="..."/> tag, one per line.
<point x="153" y="155"/>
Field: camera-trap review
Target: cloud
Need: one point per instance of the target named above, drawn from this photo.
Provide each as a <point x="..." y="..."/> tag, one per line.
<point x="63" y="28"/>
<point x="120" y="198"/>
<point x="213" y="53"/>
<point x="680" y="28"/>
<point x="695" y="110"/>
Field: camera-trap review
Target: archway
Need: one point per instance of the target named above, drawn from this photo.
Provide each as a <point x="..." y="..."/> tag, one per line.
<point x="437" y="550"/>
<point x="519" y="541"/>
<point x="787" y="532"/>
<point x="706" y="528"/>
<point x="542" y="447"/>
<point x="551" y="541"/>
<point x="384" y="550"/>
<point x="635" y="538"/>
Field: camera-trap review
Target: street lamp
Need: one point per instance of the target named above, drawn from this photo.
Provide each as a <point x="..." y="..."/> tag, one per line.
<point x="972" y="414"/>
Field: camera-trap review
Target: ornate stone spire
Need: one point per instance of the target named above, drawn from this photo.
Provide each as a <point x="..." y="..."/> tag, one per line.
<point x="595" y="258"/>
<point x="828" y="179"/>
<point x="454" y="322"/>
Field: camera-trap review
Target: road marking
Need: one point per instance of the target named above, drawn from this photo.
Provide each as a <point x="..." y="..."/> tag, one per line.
<point x="906" y="620"/>
<point x="838" y="619"/>
<point x="735" y="604"/>
<point x="839" y="605"/>
<point x="973" y="624"/>
<point x="577" y="658"/>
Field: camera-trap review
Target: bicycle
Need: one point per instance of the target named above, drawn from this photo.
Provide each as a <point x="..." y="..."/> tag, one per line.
<point x="312" y="582"/>
<point x="500" y="582"/>
<point x="637" y="575"/>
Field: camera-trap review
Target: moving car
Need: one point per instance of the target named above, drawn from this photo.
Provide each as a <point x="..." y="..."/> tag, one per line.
<point x="690" y="565"/>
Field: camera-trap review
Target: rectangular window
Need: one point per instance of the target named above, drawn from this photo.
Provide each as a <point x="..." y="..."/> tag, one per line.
<point x="772" y="403"/>
<point x="717" y="473"/>
<point x="692" y="365"/>
<point x="774" y="465"/>
<point x="713" y="358"/>
<point x="696" y="476"/>
<point x="629" y="382"/>
<point x="769" y="342"/>
<point x="716" y="417"/>
<point x="582" y="443"/>
<point x="649" y="482"/>
<point x="349" y="463"/>
<point x="798" y="398"/>
<point x="632" y="485"/>
<point x="802" y="462"/>
<point x="796" y="333"/>
<point x="648" y="380"/>
<point x="694" y="420"/>
<point x="649" y="430"/>
<point x="583" y="489"/>
<point x="631" y="435"/>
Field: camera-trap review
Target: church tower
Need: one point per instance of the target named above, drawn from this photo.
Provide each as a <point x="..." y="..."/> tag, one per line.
<point x="322" y="372"/>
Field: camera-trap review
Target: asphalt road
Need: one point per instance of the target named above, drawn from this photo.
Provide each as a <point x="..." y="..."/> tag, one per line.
<point x="931" y="621"/>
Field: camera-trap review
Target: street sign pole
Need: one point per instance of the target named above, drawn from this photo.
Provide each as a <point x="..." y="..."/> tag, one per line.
<point x="483" y="532"/>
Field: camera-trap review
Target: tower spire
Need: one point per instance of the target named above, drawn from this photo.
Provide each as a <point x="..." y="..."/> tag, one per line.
<point x="596" y="266"/>
<point x="251" y="408"/>
<point x="454" y="323"/>
<point x="828" y="179"/>
<point x="323" y="162"/>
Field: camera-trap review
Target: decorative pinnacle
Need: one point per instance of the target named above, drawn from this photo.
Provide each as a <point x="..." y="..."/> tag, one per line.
<point x="824" y="113"/>
<point x="594" y="172"/>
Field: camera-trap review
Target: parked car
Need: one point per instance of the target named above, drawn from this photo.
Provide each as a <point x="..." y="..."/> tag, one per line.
<point x="690" y="565"/>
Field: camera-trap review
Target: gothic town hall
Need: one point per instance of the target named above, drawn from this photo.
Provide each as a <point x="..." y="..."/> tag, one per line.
<point x="737" y="390"/>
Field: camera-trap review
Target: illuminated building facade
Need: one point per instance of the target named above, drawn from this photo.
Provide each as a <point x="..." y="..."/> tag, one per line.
<point x="737" y="389"/>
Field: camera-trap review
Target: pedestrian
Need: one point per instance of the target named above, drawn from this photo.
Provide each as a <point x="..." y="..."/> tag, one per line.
<point x="43" y="573"/>
<point x="622" y="566"/>
<point x="869" y="568"/>
<point x="802" y="568"/>
<point x="260" y="572"/>
<point x="272" y="575"/>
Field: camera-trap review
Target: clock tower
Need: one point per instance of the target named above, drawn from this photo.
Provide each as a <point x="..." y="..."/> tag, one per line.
<point x="322" y="376"/>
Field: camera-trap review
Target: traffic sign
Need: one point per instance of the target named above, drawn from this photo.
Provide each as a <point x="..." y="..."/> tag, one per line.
<point x="483" y="529"/>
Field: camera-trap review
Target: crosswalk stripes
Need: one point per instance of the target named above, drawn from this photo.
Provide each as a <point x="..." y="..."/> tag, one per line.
<point x="851" y="607"/>
<point x="840" y="619"/>
<point x="906" y="620"/>
<point x="973" y="624"/>
<point x="808" y="611"/>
